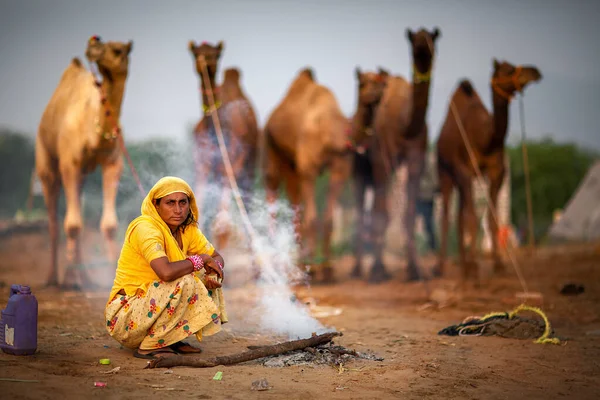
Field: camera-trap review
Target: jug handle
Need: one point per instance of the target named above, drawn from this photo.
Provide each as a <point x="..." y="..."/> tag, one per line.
<point x="14" y="289"/>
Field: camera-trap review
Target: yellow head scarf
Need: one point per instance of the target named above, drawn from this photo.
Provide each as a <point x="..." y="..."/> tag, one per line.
<point x="131" y="274"/>
<point x="164" y="187"/>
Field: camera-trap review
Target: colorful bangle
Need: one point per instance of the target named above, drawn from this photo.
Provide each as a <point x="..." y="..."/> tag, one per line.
<point x="218" y="263"/>
<point x="197" y="262"/>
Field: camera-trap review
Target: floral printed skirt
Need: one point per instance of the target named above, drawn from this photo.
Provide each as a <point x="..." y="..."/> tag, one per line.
<point x="166" y="313"/>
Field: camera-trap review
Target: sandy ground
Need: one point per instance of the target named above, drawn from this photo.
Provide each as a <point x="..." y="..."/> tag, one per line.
<point x="388" y="319"/>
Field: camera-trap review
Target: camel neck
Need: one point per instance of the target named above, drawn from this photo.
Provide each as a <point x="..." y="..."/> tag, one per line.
<point x="500" y="105"/>
<point x="364" y="116"/>
<point x="205" y="90"/>
<point x="419" y="107"/>
<point x="114" y="89"/>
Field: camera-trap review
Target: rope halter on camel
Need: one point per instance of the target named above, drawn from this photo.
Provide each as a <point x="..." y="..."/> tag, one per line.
<point x="421" y="77"/>
<point x="513" y="78"/>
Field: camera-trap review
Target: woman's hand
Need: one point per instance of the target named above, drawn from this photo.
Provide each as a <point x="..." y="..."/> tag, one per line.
<point x="211" y="264"/>
<point x="212" y="284"/>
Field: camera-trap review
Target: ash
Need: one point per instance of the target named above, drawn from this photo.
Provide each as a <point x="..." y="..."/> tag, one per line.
<point x="326" y="354"/>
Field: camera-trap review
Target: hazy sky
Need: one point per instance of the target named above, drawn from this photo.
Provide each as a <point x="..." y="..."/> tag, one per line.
<point x="271" y="40"/>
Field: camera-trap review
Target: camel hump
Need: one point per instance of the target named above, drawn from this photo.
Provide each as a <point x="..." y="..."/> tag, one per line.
<point x="76" y="62"/>
<point x="466" y="86"/>
<point x="232" y="74"/>
<point x="308" y="72"/>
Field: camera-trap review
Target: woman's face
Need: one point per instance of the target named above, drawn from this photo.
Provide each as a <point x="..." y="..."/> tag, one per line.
<point x="174" y="209"/>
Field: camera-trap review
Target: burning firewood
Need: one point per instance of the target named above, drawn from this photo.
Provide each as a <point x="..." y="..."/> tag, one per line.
<point x="253" y="354"/>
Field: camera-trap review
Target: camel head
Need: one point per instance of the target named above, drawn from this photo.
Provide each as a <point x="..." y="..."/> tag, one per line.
<point x="371" y="86"/>
<point x="422" y="45"/>
<point x="209" y="53"/>
<point x="112" y="58"/>
<point x="508" y="79"/>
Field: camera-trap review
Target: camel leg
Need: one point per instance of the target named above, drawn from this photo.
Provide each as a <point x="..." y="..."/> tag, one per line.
<point x="203" y="156"/>
<point x="309" y="220"/>
<point x="50" y="180"/>
<point x="380" y="220"/>
<point x="446" y="185"/>
<point x="72" y="183"/>
<point x="467" y="228"/>
<point x="415" y="163"/>
<point x="221" y="227"/>
<point x="294" y="193"/>
<point x="360" y="186"/>
<point x="339" y="173"/>
<point x="279" y="170"/>
<point x="111" y="174"/>
<point x="496" y="177"/>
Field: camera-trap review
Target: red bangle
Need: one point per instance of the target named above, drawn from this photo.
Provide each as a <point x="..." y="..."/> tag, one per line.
<point x="218" y="263"/>
<point x="197" y="262"/>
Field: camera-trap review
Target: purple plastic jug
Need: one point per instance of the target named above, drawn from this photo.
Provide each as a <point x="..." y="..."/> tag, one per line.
<point x="18" y="325"/>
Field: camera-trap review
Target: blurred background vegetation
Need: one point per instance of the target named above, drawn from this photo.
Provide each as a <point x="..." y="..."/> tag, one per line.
<point x="556" y="170"/>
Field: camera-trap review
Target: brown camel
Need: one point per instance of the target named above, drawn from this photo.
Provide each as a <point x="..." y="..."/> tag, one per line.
<point x="486" y="134"/>
<point x="400" y="136"/>
<point x="371" y="87"/>
<point x="78" y="131"/>
<point x="240" y="131"/>
<point x="305" y="134"/>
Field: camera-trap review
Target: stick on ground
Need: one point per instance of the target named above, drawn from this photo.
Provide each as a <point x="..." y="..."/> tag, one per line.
<point x="260" y="352"/>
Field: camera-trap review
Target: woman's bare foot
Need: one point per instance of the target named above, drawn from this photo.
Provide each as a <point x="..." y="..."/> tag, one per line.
<point x="154" y="353"/>
<point x="185" y="348"/>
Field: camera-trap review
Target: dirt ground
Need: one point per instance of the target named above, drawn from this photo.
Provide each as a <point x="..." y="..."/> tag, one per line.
<point x="389" y="319"/>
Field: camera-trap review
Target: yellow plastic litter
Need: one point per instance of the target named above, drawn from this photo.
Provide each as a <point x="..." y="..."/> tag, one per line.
<point x="218" y="376"/>
<point x="105" y="361"/>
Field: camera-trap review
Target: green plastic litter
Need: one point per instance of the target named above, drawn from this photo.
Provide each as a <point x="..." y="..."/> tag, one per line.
<point x="218" y="376"/>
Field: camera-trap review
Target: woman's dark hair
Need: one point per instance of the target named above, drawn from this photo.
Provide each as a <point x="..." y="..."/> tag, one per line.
<point x="190" y="220"/>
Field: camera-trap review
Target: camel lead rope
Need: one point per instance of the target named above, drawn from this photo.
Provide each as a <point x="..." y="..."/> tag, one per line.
<point x="465" y="139"/>
<point x="526" y="172"/>
<point x="226" y="161"/>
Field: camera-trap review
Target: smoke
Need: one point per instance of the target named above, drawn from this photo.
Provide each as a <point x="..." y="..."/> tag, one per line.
<point x="277" y="252"/>
<point x="274" y="248"/>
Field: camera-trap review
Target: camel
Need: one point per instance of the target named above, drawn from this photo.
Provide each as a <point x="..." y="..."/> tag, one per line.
<point x="78" y="131"/>
<point x="399" y="136"/>
<point x="487" y="135"/>
<point x="371" y="86"/>
<point x="240" y="129"/>
<point x="306" y="134"/>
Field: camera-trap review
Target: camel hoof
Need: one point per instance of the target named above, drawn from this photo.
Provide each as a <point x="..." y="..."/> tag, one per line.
<point x="71" y="287"/>
<point x="328" y="277"/>
<point x="356" y="272"/>
<point x="499" y="268"/>
<point x="51" y="283"/>
<point x="378" y="275"/>
<point x="412" y="272"/>
<point x="436" y="272"/>
<point x="471" y="271"/>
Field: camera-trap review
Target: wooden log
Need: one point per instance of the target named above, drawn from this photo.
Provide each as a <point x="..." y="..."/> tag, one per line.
<point x="259" y="352"/>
